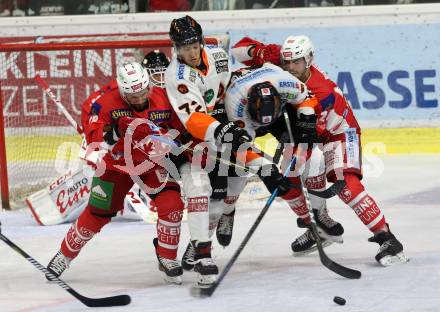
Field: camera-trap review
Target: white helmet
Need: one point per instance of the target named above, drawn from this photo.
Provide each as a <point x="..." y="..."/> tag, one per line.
<point x="296" y="47"/>
<point x="132" y="78"/>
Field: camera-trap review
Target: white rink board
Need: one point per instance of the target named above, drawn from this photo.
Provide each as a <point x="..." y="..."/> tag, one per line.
<point x="384" y="58"/>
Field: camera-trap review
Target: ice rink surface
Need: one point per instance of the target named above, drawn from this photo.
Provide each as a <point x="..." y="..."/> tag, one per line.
<point x="266" y="277"/>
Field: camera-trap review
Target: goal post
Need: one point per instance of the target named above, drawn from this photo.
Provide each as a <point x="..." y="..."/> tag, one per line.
<point x="33" y="133"/>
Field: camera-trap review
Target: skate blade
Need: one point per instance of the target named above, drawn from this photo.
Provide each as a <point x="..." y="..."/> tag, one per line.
<point x="392" y="260"/>
<point x="310" y="250"/>
<point x="174" y="280"/>
<point x="335" y="239"/>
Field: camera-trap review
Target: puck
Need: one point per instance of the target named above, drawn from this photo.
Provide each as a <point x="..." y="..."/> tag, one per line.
<point x="339" y="300"/>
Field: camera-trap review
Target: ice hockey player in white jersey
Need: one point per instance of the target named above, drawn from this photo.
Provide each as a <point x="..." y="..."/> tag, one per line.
<point x="266" y="82"/>
<point x="195" y="79"/>
<point x="255" y="100"/>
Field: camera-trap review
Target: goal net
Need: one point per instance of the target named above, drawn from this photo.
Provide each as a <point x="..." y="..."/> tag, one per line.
<point x="38" y="143"/>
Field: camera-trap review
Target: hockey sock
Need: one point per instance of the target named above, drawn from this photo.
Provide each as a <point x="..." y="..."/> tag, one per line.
<point x="170" y="210"/>
<point x="84" y="228"/>
<point x="296" y="201"/>
<point x="355" y="196"/>
<point x="198" y="218"/>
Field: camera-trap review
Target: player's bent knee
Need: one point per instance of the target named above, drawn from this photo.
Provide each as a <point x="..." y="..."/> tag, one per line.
<point x="352" y="188"/>
<point x="169" y="205"/>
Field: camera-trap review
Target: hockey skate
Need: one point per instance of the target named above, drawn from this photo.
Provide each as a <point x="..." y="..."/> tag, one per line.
<point x="390" y="251"/>
<point x="58" y="265"/>
<point x="188" y="257"/>
<point x="327" y="228"/>
<point x="306" y="244"/>
<point x="224" y="229"/>
<point x="171" y="267"/>
<point x="329" y="231"/>
<point x="203" y="264"/>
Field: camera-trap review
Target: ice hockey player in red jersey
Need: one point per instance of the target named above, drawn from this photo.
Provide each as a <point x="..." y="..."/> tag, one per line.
<point x="155" y="63"/>
<point x="127" y="119"/>
<point x="86" y="107"/>
<point x="337" y="129"/>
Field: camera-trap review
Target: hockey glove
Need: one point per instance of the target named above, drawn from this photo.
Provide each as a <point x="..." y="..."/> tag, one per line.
<point x="273" y="179"/>
<point x="267" y="53"/>
<point x="111" y="134"/>
<point x="229" y="132"/>
<point x="306" y="129"/>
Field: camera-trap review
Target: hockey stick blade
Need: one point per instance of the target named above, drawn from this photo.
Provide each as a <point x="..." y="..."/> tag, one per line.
<point x="336" y="267"/>
<point x="329" y="263"/>
<point x="331" y="191"/>
<point x="113" y="301"/>
<point x="120" y="300"/>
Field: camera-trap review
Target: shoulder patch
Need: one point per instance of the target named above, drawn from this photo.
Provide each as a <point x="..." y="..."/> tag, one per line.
<point x="192" y="75"/>
<point x="95" y="108"/>
<point x="182" y="88"/>
<point x="208" y="96"/>
<point x="221" y="66"/>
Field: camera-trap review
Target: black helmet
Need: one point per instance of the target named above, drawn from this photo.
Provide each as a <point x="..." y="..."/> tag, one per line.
<point x="264" y="103"/>
<point x="156" y="62"/>
<point x="155" y="59"/>
<point x="185" y="30"/>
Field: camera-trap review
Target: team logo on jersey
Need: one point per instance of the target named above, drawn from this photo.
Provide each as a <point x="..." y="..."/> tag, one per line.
<point x="117" y="113"/>
<point x="221" y="66"/>
<point x="345" y="195"/>
<point x="192" y="76"/>
<point x="159" y="115"/>
<point x="239" y="123"/>
<point x="208" y="96"/>
<point x="182" y="88"/>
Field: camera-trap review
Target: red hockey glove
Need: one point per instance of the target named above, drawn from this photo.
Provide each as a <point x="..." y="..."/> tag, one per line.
<point x="267" y="53"/>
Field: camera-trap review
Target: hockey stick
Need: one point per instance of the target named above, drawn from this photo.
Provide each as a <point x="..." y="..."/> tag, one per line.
<point x="43" y="84"/>
<point x="331" y="191"/>
<point x="325" y="260"/>
<point x="120" y="300"/>
<point x="207" y="292"/>
<point x="280" y="149"/>
<point x="325" y="194"/>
